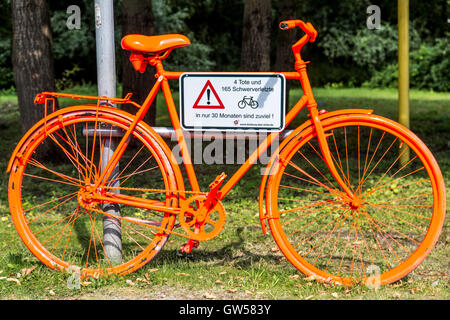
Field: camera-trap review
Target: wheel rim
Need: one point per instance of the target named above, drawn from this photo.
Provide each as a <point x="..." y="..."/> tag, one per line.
<point x="54" y="226"/>
<point x="398" y="220"/>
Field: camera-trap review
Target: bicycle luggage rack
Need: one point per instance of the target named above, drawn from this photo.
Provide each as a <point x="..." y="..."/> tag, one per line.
<point x="165" y="132"/>
<point x="42" y="98"/>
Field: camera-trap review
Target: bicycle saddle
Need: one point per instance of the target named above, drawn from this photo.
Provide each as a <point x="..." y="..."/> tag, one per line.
<point x="154" y="44"/>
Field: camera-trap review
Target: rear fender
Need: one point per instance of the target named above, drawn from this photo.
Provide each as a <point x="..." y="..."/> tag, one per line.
<point x="21" y="146"/>
<point x="28" y="135"/>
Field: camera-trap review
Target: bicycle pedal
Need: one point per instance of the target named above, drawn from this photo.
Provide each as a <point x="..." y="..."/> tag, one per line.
<point x="187" y="247"/>
<point x="218" y="181"/>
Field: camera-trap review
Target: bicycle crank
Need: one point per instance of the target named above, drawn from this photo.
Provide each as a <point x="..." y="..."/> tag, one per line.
<point x="199" y="222"/>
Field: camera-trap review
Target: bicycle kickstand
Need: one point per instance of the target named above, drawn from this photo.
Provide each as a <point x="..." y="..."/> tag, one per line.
<point x="187" y="247"/>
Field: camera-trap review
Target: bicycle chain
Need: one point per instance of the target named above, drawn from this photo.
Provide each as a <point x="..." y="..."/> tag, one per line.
<point x="160" y="230"/>
<point x="158" y="190"/>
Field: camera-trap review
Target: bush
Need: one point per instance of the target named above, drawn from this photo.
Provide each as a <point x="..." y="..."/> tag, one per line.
<point x="429" y="66"/>
<point x="6" y="71"/>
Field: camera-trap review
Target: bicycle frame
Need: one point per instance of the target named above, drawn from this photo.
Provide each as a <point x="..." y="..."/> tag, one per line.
<point x="325" y="216"/>
<point x="162" y="82"/>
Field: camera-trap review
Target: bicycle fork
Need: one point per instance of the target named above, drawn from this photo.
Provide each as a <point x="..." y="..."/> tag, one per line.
<point x="300" y="66"/>
<point x="325" y="149"/>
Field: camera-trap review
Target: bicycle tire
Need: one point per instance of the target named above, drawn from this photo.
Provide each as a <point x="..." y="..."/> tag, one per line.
<point x="38" y="208"/>
<point x="376" y="241"/>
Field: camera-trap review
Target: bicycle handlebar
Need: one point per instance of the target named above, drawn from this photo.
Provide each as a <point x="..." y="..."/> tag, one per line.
<point x="306" y="27"/>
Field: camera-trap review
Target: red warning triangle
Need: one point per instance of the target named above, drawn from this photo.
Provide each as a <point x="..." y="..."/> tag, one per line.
<point x="207" y="101"/>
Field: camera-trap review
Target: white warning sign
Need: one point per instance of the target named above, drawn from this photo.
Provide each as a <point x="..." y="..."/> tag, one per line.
<point x="232" y="101"/>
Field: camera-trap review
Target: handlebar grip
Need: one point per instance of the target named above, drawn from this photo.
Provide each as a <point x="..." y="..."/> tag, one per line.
<point x="287" y="24"/>
<point x="306" y="27"/>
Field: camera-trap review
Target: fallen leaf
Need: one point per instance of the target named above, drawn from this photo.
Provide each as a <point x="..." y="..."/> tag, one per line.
<point x="96" y="276"/>
<point x="182" y="274"/>
<point x="222" y="273"/>
<point x="85" y="283"/>
<point x="27" y="271"/>
<point x="396" y="295"/>
<point x="295" y="276"/>
<point x="51" y="292"/>
<point x="147" y="276"/>
<point x="435" y="283"/>
<point x="14" y="280"/>
<point x="311" y="277"/>
<point x="231" y="290"/>
<point x="143" y="280"/>
<point x="219" y="281"/>
<point x="153" y="270"/>
<point x="130" y="283"/>
<point x="308" y="297"/>
<point x="209" y="296"/>
<point x="335" y="295"/>
<point x="274" y="249"/>
<point x="249" y="292"/>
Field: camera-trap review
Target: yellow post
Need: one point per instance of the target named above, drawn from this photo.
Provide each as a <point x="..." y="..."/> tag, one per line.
<point x="403" y="70"/>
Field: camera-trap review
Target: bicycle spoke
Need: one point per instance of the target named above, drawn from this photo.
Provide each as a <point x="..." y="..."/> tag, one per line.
<point x="52" y="208"/>
<point x="37" y="164"/>
<point x="326" y="233"/>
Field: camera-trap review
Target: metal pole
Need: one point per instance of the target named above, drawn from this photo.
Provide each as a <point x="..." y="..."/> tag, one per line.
<point x="106" y="79"/>
<point x="403" y="71"/>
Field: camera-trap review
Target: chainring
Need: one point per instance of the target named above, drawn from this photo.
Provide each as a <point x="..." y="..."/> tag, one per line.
<point x="199" y="225"/>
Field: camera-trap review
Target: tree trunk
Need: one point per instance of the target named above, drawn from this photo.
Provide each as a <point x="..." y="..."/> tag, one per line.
<point x="137" y="18"/>
<point x="256" y="35"/>
<point x="284" y="60"/>
<point x="32" y="57"/>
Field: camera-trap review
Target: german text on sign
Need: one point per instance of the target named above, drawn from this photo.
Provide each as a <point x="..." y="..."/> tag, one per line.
<point x="232" y="101"/>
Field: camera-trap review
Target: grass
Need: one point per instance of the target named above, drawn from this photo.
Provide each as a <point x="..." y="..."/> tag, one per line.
<point x="242" y="262"/>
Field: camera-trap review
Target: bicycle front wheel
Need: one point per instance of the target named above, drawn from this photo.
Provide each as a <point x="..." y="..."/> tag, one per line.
<point x="380" y="235"/>
<point x="66" y="154"/>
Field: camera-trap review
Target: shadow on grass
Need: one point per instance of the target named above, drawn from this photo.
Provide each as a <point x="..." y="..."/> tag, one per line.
<point x="221" y="254"/>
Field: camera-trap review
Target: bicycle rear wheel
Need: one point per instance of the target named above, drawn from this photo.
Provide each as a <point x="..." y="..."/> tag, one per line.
<point x="377" y="237"/>
<point x="64" y="155"/>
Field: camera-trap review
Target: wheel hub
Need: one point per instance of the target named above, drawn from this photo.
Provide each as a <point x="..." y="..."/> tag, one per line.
<point x="86" y="196"/>
<point x="355" y="203"/>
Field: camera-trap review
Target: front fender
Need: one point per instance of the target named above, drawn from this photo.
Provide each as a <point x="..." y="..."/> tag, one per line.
<point x="262" y="216"/>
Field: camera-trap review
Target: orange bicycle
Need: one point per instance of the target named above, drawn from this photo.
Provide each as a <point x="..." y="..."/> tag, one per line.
<point x="335" y="195"/>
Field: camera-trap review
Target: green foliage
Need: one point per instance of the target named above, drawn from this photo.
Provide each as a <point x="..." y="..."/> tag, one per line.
<point x="429" y="66"/>
<point x="73" y="50"/>
<point x="66" y="80"/>
<point x="6" y="72"/>
<point x="372" y="48"/>
<point x="171" y="19"/>
<point x="385" y="78"/>
<point x="346" y="51"/>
